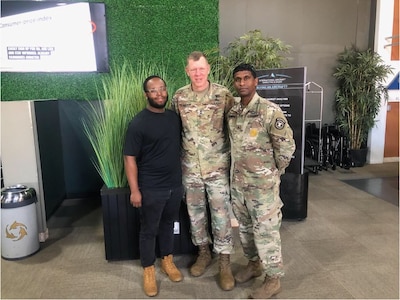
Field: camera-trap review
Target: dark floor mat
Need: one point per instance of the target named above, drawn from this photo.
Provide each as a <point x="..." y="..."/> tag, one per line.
<point x="385" y="188"/>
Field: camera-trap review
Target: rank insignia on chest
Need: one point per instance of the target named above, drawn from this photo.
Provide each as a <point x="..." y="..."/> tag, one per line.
<point x="253" y="132"/>
<point x="279" y="123"/>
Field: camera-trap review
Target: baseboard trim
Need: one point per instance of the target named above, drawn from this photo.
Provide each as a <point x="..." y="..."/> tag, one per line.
<point x="391" y="159"/>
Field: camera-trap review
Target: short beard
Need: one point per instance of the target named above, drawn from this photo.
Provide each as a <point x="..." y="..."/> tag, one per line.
<point x="152" y="103"/>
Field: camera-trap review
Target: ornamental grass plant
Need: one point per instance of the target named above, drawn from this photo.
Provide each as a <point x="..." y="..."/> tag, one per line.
<point x="121" y="97"/>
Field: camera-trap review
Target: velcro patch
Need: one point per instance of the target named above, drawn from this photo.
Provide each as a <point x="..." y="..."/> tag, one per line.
<point x="253" y="132"/>
<point x="280" y="123"/>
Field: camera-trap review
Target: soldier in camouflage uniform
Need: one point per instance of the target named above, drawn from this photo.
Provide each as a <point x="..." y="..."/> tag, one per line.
<point x="262" y="146"/>
<point x="202" y="107"/>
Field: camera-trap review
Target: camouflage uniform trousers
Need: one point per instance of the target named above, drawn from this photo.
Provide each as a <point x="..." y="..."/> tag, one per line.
<point x="216" y="190"/>
<point x="259" y="215"/>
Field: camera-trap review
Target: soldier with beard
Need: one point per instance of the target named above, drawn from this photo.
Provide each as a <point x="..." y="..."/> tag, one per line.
<point x="153" y="169"/>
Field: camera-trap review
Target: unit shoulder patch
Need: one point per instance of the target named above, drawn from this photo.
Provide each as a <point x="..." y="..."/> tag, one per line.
<point x="279" y="123"/>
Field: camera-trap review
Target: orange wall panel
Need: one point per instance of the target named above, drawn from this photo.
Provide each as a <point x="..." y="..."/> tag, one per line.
<point x="392" y="131"/>
<point x="395" y="32"/>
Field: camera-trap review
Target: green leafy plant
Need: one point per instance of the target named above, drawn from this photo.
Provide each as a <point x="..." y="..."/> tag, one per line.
<point x="121" y="98"/>
<point x="360" y="75"/>
<point x="261" y="51"/>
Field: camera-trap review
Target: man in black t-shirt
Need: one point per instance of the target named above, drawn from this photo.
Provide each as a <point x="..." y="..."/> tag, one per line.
<point x="153" y="168"/>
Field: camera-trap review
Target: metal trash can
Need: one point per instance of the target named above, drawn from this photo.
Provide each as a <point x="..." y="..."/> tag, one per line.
<point x="19" y="226"/>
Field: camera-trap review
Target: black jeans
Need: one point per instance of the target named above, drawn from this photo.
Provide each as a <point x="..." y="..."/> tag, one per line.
<point x="157" y="215"/>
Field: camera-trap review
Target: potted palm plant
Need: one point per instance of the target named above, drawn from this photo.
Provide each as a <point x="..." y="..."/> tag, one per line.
<point x="121" y="97"/>
<point x="263" y="52"/>
<point x="360" y="75"/>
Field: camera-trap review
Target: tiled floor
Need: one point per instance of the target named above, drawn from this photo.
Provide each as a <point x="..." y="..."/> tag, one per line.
<point x="385" y="188"/>
<point x="346" y="248"/>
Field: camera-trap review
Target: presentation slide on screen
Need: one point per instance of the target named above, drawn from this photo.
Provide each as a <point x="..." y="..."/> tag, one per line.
<point x="58" y="39"/>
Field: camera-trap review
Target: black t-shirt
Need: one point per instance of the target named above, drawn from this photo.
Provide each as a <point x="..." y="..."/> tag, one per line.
<point x="155" y="140"/>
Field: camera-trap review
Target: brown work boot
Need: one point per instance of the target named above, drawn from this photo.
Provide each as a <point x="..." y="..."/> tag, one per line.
<point x="269" y="288"/>
<point x="253" y="269"/>
<point x="202" y="261"/>
<point x="169" y="268"/>
<point x="226" y="280"/>
<point x="149" y="281"/>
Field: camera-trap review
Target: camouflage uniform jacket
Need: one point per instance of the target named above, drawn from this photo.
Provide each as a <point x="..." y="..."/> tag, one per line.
<point x="262" y="142"/>
<point x="205" y="140"/>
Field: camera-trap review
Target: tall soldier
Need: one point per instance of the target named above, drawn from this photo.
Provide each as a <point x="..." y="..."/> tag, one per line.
<point x="262" y="146"/>
<point x="202" y="107"/>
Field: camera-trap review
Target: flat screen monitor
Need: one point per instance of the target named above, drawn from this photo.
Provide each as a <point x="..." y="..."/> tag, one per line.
<point x="52" y="36"/>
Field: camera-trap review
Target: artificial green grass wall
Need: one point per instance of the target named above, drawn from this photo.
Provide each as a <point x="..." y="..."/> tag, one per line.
<point x="164" y="31"/>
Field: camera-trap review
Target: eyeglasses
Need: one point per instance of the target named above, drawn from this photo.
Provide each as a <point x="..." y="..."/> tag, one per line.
<point x="154" y="91"/>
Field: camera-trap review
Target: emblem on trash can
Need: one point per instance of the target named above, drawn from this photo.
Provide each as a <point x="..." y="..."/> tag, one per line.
<point x="16" y="231"/>
<point x="19" y="225"/>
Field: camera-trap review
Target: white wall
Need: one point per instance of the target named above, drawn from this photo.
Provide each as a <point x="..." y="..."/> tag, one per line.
<point x="20" y="153"/>
<point x="384" y="27"/>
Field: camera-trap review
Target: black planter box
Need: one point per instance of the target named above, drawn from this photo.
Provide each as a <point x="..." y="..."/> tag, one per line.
<point x="294" y="195"/>
<point x="358" y="157"/>
<point x="121" y="223"/>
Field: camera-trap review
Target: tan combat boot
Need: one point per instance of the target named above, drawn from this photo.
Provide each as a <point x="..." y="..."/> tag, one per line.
<point x="226" y="280"/>
<point x="270" y="287"/>
<point x="253" y="269"/>
<point x="149" y="281"/>
<point x="202" y="262"/>
<point x="169" y="268"/>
